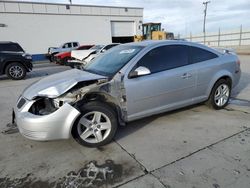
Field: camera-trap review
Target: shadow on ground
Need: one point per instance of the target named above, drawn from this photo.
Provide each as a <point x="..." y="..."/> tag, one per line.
<point x="134" y="126"/>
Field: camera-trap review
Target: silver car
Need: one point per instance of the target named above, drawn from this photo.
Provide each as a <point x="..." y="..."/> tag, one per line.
<point x="126" y="83"/>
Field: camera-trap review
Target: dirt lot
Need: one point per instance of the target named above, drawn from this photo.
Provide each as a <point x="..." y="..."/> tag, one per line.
<point x="192" y="147"/>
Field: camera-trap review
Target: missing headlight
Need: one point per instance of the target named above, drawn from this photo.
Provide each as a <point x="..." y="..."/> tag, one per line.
<point x="43" y="106"/>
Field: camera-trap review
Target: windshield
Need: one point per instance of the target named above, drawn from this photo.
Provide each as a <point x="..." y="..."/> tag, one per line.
<point x="113" y="60"/>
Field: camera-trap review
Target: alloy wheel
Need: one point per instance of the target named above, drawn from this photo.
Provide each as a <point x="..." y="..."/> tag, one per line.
<point x="16" y="71"/>
<point x="221" y="95"/>
<point x="94" y="127"/>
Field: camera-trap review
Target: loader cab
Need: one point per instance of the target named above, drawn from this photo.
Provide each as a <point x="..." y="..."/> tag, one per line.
<point x="149" y="28"/>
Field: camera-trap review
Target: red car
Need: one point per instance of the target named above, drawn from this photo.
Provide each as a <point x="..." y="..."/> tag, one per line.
<point x="63" y="57"/>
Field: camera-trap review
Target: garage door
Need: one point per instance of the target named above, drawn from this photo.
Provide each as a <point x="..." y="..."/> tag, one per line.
<point x="122" y="28"/>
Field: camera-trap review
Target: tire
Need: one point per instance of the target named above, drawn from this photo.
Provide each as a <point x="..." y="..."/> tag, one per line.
<point x="220" y="94"/>
<point x="15" y="71"/>
<point x="65" y="61"/>
<point x="53" y="58"/>
<point x="96" y="126"/>
<point x="50" y="60"/>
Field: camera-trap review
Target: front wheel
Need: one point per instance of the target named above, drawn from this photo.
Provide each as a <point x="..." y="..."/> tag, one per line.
<point x="15" y="71"/>
<point x="96" y="126"/>
<point x="220" y="94"/>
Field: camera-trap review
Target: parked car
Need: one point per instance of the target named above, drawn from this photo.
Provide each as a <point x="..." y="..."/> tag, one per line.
<point x="82" y="57"/>
<point x="14" y="62"/>
<point x="63" y="57"/>
<point x="66" y="47"/>
<point x="128" y="82"/>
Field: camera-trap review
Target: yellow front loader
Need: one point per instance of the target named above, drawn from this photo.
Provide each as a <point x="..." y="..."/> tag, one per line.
<point x="152" y="31"/>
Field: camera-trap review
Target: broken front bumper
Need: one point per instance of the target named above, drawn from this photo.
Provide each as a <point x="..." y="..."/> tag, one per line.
<point x="56" y="125"/>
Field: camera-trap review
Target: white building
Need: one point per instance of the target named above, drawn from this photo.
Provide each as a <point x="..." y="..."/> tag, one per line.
<point x="37" y="26"/>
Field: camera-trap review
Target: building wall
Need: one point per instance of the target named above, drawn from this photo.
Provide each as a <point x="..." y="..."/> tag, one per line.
<point x="36" y="26"/>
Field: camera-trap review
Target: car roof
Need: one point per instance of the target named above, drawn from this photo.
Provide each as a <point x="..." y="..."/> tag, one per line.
<point x="155" y="42"/>
<point x="148" y="43"/>
<point x="152" y="43"/>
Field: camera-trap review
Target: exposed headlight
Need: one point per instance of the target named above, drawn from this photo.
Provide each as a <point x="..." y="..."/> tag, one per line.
<point x="70" y="97"/>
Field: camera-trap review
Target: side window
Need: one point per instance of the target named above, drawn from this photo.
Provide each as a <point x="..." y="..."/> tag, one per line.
<point x="164" y="58"/>
<point x="199" y="55"/>
<point x="75" y="44"/>
<point x="67" y="45"/>
<point x="11" y="47"/>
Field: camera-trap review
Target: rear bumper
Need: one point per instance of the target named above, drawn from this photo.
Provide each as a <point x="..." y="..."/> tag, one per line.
<point x="236" y="79"/>
<point x="56" y="125"/>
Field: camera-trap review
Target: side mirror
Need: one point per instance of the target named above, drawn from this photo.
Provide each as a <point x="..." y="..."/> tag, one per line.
<point x="139" y="71"/>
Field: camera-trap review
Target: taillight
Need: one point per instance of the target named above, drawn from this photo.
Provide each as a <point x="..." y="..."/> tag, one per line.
<point x="238" y="62"/>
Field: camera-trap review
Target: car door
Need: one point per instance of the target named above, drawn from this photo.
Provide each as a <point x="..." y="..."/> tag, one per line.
<point x="170" y="85"/>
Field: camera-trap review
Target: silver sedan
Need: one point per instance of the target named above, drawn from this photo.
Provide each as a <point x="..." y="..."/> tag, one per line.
<point x="126" y="83"/>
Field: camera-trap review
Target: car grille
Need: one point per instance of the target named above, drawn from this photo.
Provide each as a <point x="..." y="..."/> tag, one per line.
<point x="20" y="103"/>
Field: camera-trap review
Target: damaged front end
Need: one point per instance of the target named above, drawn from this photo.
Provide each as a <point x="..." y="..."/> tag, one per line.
<point x="48" y="109"/>
<point x="47" y="104"/>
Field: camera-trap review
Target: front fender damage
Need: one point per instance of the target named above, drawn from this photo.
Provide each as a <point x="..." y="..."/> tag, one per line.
<point x="108" y="91"/>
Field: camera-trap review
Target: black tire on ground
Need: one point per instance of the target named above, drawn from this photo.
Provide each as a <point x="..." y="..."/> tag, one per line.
<point x="65" y="61"/>
<point x="212" y="102"/>
<point x="15" y="71"/>
<point x="93" y="107"/>
<point x="49" y="58"/>
<point x="52" y="58"/>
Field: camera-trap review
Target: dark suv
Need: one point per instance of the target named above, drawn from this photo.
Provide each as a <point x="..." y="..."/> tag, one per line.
<point x="14" y="62"/>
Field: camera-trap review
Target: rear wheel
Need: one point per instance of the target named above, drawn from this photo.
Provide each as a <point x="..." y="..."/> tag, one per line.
<point x="15" y="71"/>
<point x="220" y="94"/>
<point x="96" y="126"/>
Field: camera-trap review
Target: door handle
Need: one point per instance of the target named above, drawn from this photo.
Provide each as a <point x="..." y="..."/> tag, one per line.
<point x="186" y="76"/>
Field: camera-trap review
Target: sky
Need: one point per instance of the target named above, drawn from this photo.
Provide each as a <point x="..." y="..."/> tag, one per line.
<point x="184" y="16"/>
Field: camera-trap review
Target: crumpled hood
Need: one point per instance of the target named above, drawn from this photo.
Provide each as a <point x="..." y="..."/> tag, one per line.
<point x="81" y="54"/>
<point x="57" y="84"/>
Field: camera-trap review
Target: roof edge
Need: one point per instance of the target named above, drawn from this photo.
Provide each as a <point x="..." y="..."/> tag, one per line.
<point x="83" y="5"/>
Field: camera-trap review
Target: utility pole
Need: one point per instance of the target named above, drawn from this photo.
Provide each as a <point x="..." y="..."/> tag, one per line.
<point x="204" y="22"/>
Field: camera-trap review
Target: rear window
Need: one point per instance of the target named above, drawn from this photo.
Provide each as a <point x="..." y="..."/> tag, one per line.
<point x="198" y="55"/>
<point x="11" y="47"/>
